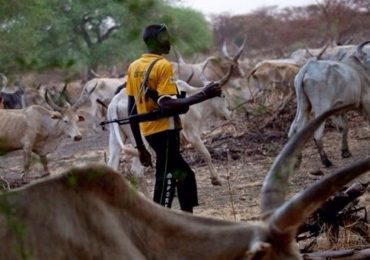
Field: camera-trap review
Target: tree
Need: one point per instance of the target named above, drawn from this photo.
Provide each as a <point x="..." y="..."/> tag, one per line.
<point x="76" y="34"/>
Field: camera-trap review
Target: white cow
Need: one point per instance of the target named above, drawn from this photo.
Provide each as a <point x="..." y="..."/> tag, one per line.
<point x="320" y="85"/>
<point x="37" y="129"/>
<point x="104" y="91"/>
<point x="192" y="122"/>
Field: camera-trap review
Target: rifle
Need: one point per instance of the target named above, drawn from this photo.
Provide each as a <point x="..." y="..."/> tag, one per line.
<point x="148" y="116"/>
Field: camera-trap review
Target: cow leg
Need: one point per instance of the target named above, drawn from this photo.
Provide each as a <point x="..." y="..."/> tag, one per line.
<point x="27" y="150"/>
<point x="94" y="112"/>
<point x="342" y="123"/>
<point x="200" y="147"/>
<point x="114" y="151"/>
<point x="320" y="147"/>
<point x="138" y="171"/>
<point x="44" y="162"/>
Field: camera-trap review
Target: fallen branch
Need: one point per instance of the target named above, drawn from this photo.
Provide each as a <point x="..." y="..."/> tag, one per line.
<point x="338" y="211"/>
<point x="345" y="254"/>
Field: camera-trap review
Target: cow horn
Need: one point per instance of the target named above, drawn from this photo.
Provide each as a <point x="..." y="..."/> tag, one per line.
<point x="101" y="103"/>
<point x="225" y="78"/>
<point x="238" y="53"/>
<point x="64" y="88"/>
<point x="360" y="50"/>
<point x="318" y="57"/>
<point x="83" y="98"/>
<point x="241" y="49"/>
<point x="274" y="186"/>
<point x="224" y="50"/>
<point x="348" y="41"/>
<point x="51" y="103"/>
<point x="95" y="74"/>
<point x="179" y="58"/>
<point x="202" y="75"/>
<point x="62" y="95"/>
<point x="4" y="80"/>
<point x="190" y="76"/>
<point x="308" y="52"/>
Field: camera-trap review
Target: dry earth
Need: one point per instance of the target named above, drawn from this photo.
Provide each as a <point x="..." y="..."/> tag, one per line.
<point x="242" y="152"/>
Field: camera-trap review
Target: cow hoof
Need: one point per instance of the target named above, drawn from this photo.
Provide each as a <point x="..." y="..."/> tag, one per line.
<point x="346" y="154"/>
<point x="216" y="181"/>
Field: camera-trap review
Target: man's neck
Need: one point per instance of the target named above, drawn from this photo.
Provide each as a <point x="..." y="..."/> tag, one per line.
<point x="155" y="52"/>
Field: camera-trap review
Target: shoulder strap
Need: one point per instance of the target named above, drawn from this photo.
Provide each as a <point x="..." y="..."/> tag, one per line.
<point x="148" y="70"/>
<point x="143" y="87"/>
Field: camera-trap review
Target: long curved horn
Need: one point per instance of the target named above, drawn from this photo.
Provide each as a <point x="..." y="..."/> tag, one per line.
<point x="95" y="74"/>
<point x="179" y="58"/>
<point x="318" y="57"/>
<point x="62" y="94"/>
<point x="348" y="41"/>
<point x="64" y="88"/>
<point x="274" y="186"/>
<point x="221" y="81"/>
<point x="359" y="49"/>
<point x="308" y="52"/>
<point x="238" y="53"/>
<point x="51" y="103"/>
<point x="4" y="80"/>
<point x="101" y="103"/>
<point x="82" y="99"/>
<point x="224" y="50"/>
<point x="190" y="76"/>
<point x="225" y="78"/>
<point x="202" y="75"/>
<point x="241" y="49"/>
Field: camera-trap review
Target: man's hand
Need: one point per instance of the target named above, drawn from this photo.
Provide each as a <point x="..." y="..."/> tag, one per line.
<point x="212" y="90"/>
<point x="144" y="156"/>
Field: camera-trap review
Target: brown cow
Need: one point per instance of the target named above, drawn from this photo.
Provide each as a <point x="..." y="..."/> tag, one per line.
<point x="275" y="77"/>
<point x="92" y="213"/>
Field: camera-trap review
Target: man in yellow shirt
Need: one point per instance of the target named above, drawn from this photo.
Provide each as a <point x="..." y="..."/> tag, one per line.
<point x="163" y="134"/>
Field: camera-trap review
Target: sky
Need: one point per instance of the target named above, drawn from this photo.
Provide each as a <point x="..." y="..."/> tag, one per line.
<point x="234" y="7"/>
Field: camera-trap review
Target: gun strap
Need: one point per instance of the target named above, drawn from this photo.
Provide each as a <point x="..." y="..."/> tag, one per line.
<point x="146" y="76"/>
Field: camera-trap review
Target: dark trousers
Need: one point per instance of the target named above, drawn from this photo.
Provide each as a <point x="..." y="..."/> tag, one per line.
<point x="172" y="172"/>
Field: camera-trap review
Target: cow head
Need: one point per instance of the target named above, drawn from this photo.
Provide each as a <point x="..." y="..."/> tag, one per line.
<point x="69" y="117"/>
<point x="363" y="56"/>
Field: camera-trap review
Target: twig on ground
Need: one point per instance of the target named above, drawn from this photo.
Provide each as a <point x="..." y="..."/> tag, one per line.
<point x="229" y="185"/>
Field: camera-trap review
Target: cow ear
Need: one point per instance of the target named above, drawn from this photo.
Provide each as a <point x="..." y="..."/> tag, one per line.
<point x="81" y="118"/>
<point x="55" y="115"/>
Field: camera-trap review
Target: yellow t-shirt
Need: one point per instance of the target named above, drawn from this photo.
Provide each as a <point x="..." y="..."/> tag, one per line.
<point x="161" y="80"/>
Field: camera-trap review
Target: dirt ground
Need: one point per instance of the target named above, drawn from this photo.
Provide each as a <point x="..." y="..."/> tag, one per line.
<point x="242" y="152"/>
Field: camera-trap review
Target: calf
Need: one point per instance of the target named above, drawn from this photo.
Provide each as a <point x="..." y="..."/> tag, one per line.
<point x="91" y="213"/>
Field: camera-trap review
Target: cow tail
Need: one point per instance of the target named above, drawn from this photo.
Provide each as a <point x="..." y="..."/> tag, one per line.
<point x="112" y="115"/>
<point x="301" y="99"/>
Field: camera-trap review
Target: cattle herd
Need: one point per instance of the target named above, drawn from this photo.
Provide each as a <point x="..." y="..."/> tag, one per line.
<point x="90" y="212"/>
